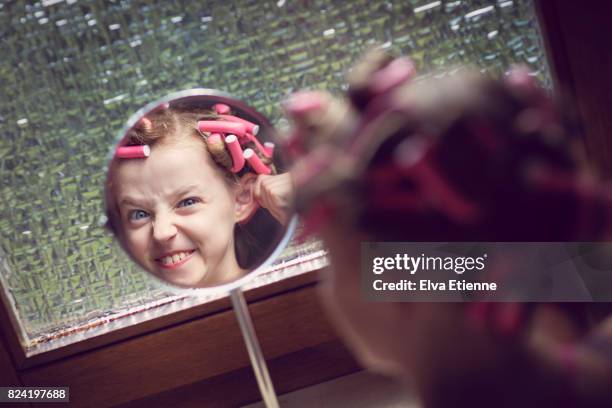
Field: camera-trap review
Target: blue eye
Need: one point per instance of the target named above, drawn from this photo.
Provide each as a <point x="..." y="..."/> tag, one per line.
<point x="136" y="215"/>
<point x="188" y="202"/>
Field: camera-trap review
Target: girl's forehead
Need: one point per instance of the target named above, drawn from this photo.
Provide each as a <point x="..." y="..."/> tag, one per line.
<point x="181" y="141"/>
<point x="169" y="163"/>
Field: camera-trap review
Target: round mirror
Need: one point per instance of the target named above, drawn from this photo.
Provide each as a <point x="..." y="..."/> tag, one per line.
<point x="197" y="191"/>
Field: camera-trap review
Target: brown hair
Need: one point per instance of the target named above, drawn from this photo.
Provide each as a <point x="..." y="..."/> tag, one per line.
<point x="178" y="121"/>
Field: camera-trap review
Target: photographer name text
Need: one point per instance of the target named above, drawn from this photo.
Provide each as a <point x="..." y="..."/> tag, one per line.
<point x="429" y="285"/>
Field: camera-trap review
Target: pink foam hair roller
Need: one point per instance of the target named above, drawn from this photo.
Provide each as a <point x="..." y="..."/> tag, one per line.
<point x="133" y="152"/>
<point x="236" y="152"/>
<point x="255" y="162"/>
<point x="220" y="126"/>
<point x="161" y="107"/>
<point x="269" y="148"/>
<point x="394" y="74"/>
<point x="258" y="145"/>
<point x="222" y="109"/>
<point x="251" y="127"/>
<point x="145" y="124"/>
<point x="303" y="102"/>
<point x="519" y="77"/>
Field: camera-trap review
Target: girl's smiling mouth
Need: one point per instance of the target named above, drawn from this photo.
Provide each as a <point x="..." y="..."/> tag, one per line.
<point x="175" y="259"/>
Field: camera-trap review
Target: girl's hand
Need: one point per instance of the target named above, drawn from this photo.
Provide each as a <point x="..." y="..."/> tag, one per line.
<point x="275" y="193"/>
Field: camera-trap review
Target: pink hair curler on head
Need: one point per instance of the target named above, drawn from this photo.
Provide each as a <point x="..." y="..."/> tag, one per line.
<point x="253" y="139"/>
<point x="236" y="152"/>
<point x="255" y="162"/>
<point x="161" y="107"/>
<point x="396" y="73"/>
<point x="518" y="76"/>
<point x="221" y="109"/>
<point x="294" y="145"/>
<point x="269" y="148"/>
<point x="145" y="124"/>
<point x="133" y="152"/>
<point x="219" y="126"/>
<point x="252" y="128"/>
<point x="301" y="103"/>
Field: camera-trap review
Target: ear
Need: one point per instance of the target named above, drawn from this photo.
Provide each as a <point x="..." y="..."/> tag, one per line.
<point x="246" y="205"/>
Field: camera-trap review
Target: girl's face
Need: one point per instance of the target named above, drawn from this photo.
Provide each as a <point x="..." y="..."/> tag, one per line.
<point x="178" y="214"/>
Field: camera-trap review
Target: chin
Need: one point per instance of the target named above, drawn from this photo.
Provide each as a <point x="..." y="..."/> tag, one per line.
<point x="187" y="278"/>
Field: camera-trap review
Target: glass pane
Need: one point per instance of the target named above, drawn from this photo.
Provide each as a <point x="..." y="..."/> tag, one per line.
<point x="72" y="71"/>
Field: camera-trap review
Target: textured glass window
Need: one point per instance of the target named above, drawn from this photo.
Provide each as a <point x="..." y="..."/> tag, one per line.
<point x="72" y="71"/>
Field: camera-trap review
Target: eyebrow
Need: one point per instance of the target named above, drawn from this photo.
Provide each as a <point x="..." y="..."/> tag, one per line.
<point x="129" y="201"/>
<point x="184" y="190"/>
<point x="177" y="193"/>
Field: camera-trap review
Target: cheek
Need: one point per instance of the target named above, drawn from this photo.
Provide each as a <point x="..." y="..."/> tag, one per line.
<point x="210" y="228"/>
<point x="136" y="241"/>
<point x="215" y="221"/>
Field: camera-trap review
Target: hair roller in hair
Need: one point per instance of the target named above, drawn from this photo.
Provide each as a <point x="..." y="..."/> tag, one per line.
<point x="251" y="127"/>
<point x="235" y="150"/>
<point x="133" y="152"/>
<point x="224" y="127"/>
<point x="255" y="162"/>
<point x="222" y="109"/>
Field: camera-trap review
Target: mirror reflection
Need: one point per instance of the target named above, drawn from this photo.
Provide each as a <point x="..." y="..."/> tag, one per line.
<point x="196" y="191"/>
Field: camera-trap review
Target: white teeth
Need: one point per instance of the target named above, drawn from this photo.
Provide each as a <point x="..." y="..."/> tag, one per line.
<point x="179" y="256"/>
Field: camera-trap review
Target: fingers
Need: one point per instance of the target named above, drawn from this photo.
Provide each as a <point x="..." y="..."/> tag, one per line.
<point x="257" y="187"/>
<point x="274" y="193"/>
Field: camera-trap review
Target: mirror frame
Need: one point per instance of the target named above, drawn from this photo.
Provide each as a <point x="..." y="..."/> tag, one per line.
<point x="215" y="96"/>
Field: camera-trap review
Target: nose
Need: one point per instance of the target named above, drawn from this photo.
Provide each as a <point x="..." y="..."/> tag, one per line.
<point x="164" y="227"/>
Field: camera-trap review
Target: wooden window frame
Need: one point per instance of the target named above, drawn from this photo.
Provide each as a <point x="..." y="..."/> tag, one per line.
<point x="184" y="354"/>
<point x="196" y="356"/>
